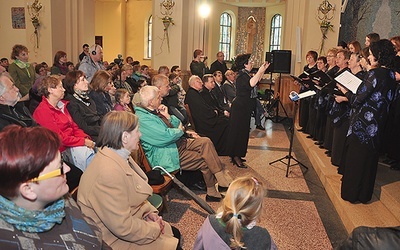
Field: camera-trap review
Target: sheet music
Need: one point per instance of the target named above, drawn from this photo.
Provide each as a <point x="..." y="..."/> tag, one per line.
<point x="349" y="81"/>
<point x="307" y="94"/>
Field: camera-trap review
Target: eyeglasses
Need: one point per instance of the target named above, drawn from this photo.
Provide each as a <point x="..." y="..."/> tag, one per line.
<point x="52" y="174"/>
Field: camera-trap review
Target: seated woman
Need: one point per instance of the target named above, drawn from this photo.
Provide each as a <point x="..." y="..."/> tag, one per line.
<point x="122" y="100"/>
<point x="77" y="147"/>
<point x="100" y="85"/>
<point x="33" y="212"/>
<point x="60" y="64"/>
<point x="234" y="226"/>
<point x="81" y="107"/>
<point x="113" y="191"/>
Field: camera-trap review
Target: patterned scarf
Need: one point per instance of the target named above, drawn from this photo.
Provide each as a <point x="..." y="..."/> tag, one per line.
<point x="82" y="96"/>
<point x="32" y="221"/>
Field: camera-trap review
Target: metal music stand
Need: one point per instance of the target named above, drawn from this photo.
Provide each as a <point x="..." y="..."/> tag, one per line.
<point x="289" y="156"/>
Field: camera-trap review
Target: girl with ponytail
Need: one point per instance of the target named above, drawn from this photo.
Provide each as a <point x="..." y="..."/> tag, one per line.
<point x="234" y="226"/>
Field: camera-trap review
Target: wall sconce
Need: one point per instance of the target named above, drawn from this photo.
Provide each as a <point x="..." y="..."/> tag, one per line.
<point x="166" y="9"/>
<point x="34" y="10"/>
<point x="325" y="13"/>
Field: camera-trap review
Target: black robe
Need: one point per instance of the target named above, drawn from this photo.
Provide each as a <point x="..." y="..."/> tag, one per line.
<point x="207" y="121"/>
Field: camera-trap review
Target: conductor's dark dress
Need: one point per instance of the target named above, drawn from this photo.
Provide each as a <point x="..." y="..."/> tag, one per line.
<point x="239" y="123"/>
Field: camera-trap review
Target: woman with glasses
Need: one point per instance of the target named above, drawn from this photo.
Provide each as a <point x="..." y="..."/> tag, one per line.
<point x="113" y="191"/>
<point x="100" y="85"/>
<point x="242" y="106"/>
<point x="77" y="146"/>
<point x="34" y="211"/>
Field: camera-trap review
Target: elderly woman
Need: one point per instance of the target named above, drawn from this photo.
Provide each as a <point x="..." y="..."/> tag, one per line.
<point x="81" y="107"/>
<point x="34" y="213"/>
<point x="242" y="106"/>
<point x="60" y="64"/>
<point x="367" y="123"/>
<point x="77" y="146"/>
<point x="113" y="191"/>
<point x="100" y="85"/>
<point x="21" y="71"/>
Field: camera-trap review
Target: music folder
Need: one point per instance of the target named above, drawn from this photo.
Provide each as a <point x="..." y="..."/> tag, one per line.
<point x="321" y="77"/>
<point x="349" y="81"/>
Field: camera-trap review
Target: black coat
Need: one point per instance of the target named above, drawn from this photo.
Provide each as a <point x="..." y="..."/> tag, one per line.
<point x="207" y="121"/>
<point x="18" y="115"/>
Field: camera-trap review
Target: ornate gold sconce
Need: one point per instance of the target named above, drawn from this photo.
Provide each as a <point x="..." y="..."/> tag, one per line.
<point x="34" y="10"/>
<point x="325" y="13"/>
<point x="166" y="9"/>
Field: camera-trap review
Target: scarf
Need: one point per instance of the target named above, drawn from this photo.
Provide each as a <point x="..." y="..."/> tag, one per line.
<point x="32" y="221"/>
<point x="23" y="65"/>
<point x="82" y="96"/>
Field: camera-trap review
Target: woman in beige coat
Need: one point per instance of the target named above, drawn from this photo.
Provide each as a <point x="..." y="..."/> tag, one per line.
<point x="113" y="191"/>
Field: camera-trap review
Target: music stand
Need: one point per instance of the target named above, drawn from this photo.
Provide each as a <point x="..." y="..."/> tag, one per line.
<point x="276" y="103"/>
<point x="294" y="97"/>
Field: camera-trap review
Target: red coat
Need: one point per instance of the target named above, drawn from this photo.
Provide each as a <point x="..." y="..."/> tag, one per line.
<point x="61" y="123"/>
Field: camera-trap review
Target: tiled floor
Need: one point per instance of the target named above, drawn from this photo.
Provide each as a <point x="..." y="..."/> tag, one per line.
<point x="297" y="211"/>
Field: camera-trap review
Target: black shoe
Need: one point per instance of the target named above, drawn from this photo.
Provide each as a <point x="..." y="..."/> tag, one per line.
<point x="318" y="142"/>
<point x="222" y="189"/>
<point x="239" y="165"/>
<point x="309" y="136"/>
<point x="260" y="127"/>
<point x="327" y="152"/>
<point x="200" y="186"/>
<point x="321" y="146"/>
<point x="243" y="159"/>
<point x="300" y="130"/>
<point x="212" y="198"/>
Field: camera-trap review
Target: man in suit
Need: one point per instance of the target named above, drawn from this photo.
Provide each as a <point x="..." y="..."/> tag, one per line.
<point x="218" y="93"/>
<point x="229" y="87"/>
<point x="208" y="121"/>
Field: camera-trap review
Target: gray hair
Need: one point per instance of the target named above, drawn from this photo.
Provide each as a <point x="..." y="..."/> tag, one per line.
<point x="192" y="78"/>
<point x="3" y="88"/>
<point x="147" y="93"/>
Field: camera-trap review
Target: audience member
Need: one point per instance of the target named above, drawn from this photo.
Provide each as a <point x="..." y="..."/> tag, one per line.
<point x="77" y="147"/>
<point x="129" y="60"/>
<point x="34" y="213"/>
<point x="210" y="96"/>
<point x="367" y="121"/>
<point x="91" y="63"/>
<point x="136" y="97"/>
<point x="122" y="100"/>
<point x="12" y="111"/>
<point x="144" y="72"/>
<point x="112" y="92"/>
<point x="229" y="86"/>
<point x="234" y="226"/>
<point x="70" y="66"/>
<point x="217" y="91"/>
<point x="85" y="51"/>
<point x="82" y="109"/>
<point x="242" y="106"/>
<point x="207" y="120"/>
<point x="163" y="70"/>
<point x="165" y="145"/>
<point x="100" y="85"/>
<point x="113" y="191"/>
<point x="172" y="100"/>
<point x="60" y="67"/>
<point x="198" y="66"/>
<point x="125" y="80"/>
<point x="21" y="71"/>
<point x="136" y="70"/>
<point x="4" y="62"/>
<point x="219" y="65"/>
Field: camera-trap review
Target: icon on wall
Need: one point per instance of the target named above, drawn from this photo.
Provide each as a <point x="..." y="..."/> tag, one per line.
<point x="18" y="17"/>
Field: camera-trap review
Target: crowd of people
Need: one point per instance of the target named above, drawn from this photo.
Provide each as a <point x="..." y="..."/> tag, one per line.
<point x="355" y="127"/>
<point x="80" y="124"/>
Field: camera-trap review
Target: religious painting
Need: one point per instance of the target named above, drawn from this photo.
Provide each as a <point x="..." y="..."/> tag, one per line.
<point x="18" y="17"/>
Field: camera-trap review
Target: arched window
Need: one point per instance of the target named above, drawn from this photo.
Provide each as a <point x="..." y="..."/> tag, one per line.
<point x="149" y="35"/>
<point x="225" y="36"/>
<point x="276" y="33"/>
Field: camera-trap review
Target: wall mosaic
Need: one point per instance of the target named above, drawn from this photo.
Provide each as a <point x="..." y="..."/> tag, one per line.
<point x="362" y="17"/>
<point x="250" y="33"/>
